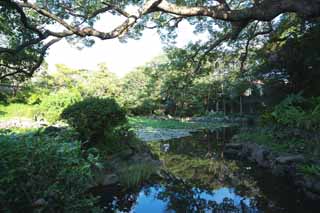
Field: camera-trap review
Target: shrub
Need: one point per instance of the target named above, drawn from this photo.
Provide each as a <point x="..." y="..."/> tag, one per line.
<point x="41" y="170"/>
<point x="3" y="98"/>
<point x="93" y="116"/>
<point x="53" y="104"/>
<point x="295" y="111"/>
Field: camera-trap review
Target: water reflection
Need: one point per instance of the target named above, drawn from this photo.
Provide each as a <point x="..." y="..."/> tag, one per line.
<point x="176" y="198"/>
<point x="199" y="179"/>
<point x="205" y="143"/>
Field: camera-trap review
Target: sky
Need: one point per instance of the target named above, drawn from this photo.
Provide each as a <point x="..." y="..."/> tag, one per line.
<point x="120" y="58"/>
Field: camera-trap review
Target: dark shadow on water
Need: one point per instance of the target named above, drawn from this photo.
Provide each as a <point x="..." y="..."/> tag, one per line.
<point x="205" y="143"/>
<point x="206" y="182"/>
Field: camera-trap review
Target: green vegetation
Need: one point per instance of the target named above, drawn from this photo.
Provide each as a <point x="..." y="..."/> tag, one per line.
<point x="196" y="168"/>
<point x="145" y="122"/>
<point x="289" y="127"/>
<point x="52" y="105"/>
<point x="296" y="112"/>
<point x="252" y="64"/>
<point x="17" y="110"/>
<point x="133" y="175"/>
<point x="272" y="140"/>
<point x="48" y="173"/>
<point x="313" y="170"/>
<point x="92" y="117"/>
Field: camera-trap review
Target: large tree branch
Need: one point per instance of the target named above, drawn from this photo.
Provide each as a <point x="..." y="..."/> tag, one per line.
<point x="89" y="31"/>
<point x="239" y="17"/>
<point x="210" y="46"/>
<point x="253" y="35"/>
<point x="264" y="11"/>
<point x="27" y="71"/>
<point x="23" y="17"/>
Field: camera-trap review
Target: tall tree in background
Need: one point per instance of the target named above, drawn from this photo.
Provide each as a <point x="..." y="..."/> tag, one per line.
<point x="27" y="30"/>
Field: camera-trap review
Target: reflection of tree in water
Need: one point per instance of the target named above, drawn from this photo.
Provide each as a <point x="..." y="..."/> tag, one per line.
<point x="178" y="196"/>
<point x="193" y="183"/>
<point x="207" y="143"/>
<point x="117" y="199"/>
<point x="181" y="197"/>
<point x="188" y="159"/>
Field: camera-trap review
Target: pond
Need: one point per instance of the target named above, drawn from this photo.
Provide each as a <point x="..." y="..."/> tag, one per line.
<point x="198" y="178"/>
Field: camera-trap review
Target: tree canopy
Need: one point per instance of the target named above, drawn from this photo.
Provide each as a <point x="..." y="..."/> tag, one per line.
<point x="29" y="28"/>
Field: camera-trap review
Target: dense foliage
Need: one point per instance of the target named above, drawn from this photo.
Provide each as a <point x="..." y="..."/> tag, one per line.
<point x="170" y="84"/>
<point x="296" y="112"/>
<point x="94" y="116"/>
<point x="249" y="62"/>
<point x="53" y="104"/>
<point x="44" y="173"/>
<point x="27" y="32"/>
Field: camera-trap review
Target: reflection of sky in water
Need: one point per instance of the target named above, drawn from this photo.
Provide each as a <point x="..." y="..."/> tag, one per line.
<point x="220" y="194"/>
<point x="150" y="202"/>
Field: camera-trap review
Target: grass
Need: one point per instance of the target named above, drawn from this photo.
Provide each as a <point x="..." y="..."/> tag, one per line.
<point x="135" y="174"/>
<point x="11" y="111"/>
<point x="143" y="122"/>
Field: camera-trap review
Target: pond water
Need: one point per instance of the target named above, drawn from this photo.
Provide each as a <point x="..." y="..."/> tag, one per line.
<point x="200" y="179"/>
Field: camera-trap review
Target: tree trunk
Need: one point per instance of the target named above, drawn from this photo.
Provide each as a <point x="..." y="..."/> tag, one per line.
<point x="217" y="106"/>
<point x="241" y="106"/>
<point x="231" y="107"/>
<point x="224" y="107"/>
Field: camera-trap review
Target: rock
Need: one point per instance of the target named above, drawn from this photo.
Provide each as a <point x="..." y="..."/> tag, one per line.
<point x="144" y="158"/>
<point x="125" y="154"/>
<point x="19" y="123"/>
<point x="257" y="154"/>
<point x="231" y="153"/>
<point x="110" y="179"/>
<point x="252" y="152"/>
<point x="39" y="203"/>
<point x="316" y="186"/>
<point x="165" y="147"/>
<point x="260" y="155"/>
<point x="290" y="159"/>
<point x="312" y="196"/>
<point x="235" y="150"/>
<point x="283" y="165"/>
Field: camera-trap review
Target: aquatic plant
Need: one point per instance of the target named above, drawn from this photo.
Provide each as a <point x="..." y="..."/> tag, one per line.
<point x="133" y="175"/>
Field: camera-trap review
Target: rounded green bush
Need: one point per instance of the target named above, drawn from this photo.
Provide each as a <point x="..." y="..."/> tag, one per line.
<point x="93" y="116"/>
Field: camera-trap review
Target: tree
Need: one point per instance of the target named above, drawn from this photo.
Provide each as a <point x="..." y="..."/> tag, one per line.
<point x="301" y="44"/>
<point x="102" y="83"/>
<point x="137" y="94"/>
<point x="26" y="26"/>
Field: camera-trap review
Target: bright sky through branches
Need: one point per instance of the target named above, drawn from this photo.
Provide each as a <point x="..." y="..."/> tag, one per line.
<point x="120" y="58"/>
